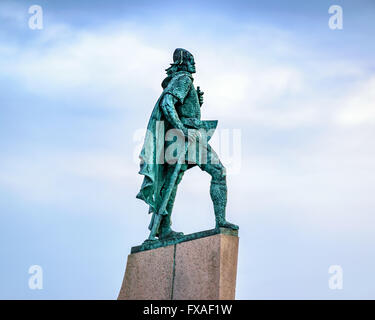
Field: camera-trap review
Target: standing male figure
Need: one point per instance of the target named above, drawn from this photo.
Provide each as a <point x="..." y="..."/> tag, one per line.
<point x="178" y="108"/>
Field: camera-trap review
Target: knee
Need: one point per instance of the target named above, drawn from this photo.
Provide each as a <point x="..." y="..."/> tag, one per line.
<point x="219" y="173"/>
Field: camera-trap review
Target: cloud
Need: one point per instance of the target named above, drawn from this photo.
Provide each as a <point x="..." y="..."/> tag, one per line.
<point x="359" y="105"/>
<point x="62" y="178"/>
<point x="303" y="195"/>
<point x="105" y="66"/>
<point x="119" y="66"/>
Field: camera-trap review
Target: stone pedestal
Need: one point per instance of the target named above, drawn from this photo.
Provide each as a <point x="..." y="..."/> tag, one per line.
<point x="200" y="266"/>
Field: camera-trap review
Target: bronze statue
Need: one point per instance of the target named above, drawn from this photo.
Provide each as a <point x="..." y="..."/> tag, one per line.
<point x="164" y="160"/>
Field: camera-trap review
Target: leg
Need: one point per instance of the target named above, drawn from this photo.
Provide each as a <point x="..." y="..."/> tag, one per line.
<point x="173" y="196"/>
<point x="165" y="226"/>
<point x="218" y="188"/>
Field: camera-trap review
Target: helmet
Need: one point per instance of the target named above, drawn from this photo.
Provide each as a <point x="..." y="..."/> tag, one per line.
<point x="181" y="56"/>
<point x="180" y="61"/>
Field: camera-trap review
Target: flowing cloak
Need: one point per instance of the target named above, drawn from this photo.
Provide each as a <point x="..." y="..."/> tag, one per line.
<point x="152" y="164"/>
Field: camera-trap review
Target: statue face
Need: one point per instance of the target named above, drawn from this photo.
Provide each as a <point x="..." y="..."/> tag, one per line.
<point x="191" y="65"/>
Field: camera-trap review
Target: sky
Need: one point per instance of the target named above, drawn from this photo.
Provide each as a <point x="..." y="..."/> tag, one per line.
<point x="295" y="104"/>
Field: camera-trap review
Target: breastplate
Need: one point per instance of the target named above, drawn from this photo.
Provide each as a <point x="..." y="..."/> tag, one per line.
<point x="191" y="107"/>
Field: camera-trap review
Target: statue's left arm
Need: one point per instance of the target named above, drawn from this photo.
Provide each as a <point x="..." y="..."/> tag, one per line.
<point x="168" y="107"/>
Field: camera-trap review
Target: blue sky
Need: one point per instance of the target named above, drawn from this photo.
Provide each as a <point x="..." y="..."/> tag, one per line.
<point x="76" y="95"/>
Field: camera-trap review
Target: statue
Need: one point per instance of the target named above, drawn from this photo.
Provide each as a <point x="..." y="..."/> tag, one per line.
<point x="164" y="159"/>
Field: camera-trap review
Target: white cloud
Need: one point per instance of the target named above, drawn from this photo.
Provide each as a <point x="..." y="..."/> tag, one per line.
<point x="118" y="66"/>
<point x="50" y="178"/>
<point x="110" y="66"/>
<point x="359" y="105"/>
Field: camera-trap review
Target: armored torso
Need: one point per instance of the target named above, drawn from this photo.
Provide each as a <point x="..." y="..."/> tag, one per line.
<point x="181" y="87"/>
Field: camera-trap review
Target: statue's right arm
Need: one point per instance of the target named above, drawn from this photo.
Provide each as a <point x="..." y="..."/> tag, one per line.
<point x="167" y="105"/>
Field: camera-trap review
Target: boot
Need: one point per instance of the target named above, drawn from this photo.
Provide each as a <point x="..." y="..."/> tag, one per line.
<point x="165" y="230"/>
<point x="218" y="192"/>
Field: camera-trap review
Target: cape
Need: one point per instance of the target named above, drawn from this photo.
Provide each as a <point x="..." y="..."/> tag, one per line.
<point x="154" y="171"/>
<point x="152" y="150"/>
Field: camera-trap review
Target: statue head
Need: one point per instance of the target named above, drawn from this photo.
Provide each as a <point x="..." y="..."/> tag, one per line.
<point x="183" y="60"/>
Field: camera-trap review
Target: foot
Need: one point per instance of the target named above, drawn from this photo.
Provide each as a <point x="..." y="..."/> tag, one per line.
<point x="170" y="234"/>
<point x="226" y="224"/>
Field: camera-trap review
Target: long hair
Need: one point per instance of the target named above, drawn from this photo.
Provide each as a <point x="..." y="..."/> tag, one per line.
<point x="175" y="68"/>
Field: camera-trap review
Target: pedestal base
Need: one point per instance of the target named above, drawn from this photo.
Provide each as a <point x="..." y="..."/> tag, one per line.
<point x="200" y="266"/>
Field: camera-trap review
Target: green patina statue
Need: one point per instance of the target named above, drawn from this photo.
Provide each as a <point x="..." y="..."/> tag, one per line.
<point x="177" y="140"/>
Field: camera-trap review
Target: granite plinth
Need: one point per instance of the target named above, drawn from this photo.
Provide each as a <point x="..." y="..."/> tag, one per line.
<point x="199" y="266"/>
